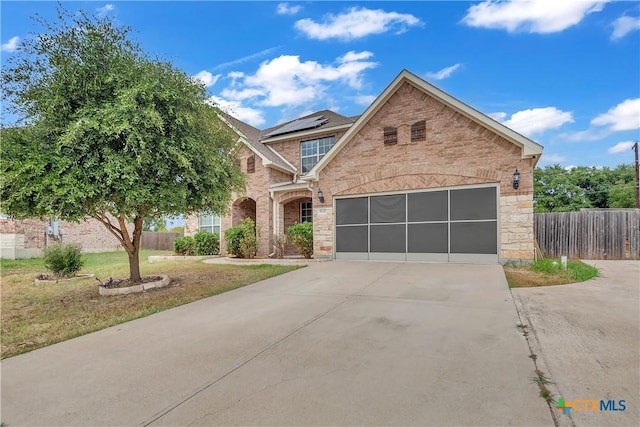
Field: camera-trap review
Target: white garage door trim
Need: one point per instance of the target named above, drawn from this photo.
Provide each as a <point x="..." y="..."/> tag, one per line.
<point x="387" y="229"/>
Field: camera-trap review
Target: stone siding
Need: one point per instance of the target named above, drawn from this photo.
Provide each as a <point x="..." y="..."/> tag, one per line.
<point x="516" y="228"/>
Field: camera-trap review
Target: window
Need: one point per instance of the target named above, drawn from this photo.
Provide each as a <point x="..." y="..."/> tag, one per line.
<point x="306" y="212"/>
<point x="419" y="131"/>
<point x="251" y="164"/>
<point x="390" y="135"/>
<point x="312" y="151"/>
<point x="209" y="222"/>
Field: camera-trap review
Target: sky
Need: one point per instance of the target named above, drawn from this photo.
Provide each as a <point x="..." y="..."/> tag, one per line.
<point x="565" y="73"/>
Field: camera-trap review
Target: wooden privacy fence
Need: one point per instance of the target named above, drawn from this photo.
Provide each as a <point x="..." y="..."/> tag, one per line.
<point x="158" y="240"/>
<point x="592" y="234"/>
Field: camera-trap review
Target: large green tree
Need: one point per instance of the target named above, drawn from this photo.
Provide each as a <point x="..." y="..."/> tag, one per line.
<point x="109" y="132"/>
<point x="557" y="189"/>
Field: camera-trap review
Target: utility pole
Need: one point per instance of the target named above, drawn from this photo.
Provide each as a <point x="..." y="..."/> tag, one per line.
<point x="635" y="148"/>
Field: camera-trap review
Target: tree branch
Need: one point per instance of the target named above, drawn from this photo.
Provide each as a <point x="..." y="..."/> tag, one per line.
<point x="128" y="243"/>
<point x="112" y="229"/>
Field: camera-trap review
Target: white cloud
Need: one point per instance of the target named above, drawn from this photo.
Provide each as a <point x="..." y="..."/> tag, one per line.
<point x="248" y="115"/>
<point x="206" y="78"/>
<point x="247" y="58"/>
<point x="445" y="73"/>
<point x="365" y="99"/>
<point x="537" y="120"/>
<point x="552" y="158"/>
<point x="533" y="16"/>
<point x="286" y="81"/>
<point x="624" y="25"/>
<point x="585" y="135"/>
<point x="285" y="9"/>
<point x="498" y="116"/>
<point x="624" y="116"/>
<point x="356" y="23"/>
<point x="235" y="75"/>
<point x="11" y="45"/>
<point x="102" y="11"/>
<point x="621" y="147"/>
<point x="355" y="56"/>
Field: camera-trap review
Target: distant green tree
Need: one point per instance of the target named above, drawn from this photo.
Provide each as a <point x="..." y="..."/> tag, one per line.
<point x="109" y="132"/>
<point x="594" y="182"/>
<point x="154" y="224"/>
<point x="557" y="189"/>
<point x="554" y="191"/>
<point x="622" y="195"/>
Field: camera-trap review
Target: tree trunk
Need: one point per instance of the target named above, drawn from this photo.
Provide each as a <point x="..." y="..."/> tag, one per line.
<point x="130" y="244"/>
<point x="134" y="266"/>
<point x="134" y="253"/>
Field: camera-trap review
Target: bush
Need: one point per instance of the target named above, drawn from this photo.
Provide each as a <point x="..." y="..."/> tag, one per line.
<point x="184" y="246"/>
<point x="279" y="244"/>
<point x="64" y="260"/>
<point x="206" y="243"/>
<point x="242" y="240"/>
<point x="302" y="238"/>
<point x="232" y="237"/>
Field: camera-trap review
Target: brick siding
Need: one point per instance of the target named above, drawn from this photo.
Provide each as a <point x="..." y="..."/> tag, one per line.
<point x="26" y="238"/>
<point x="457" y="151"/>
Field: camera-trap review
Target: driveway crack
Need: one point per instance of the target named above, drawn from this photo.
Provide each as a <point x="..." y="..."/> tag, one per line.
<point x="540" y="367"/>
<point x="212" y="381"/>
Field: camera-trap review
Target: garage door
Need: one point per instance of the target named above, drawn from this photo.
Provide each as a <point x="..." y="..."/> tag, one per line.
<point x="452" y="225"/>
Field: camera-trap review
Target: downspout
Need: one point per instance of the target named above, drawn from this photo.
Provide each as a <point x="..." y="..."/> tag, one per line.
<point x="274" y="221"/>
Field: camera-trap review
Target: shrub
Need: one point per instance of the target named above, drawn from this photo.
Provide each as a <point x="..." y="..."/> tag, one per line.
<point x="279" y="244"/>
<point x="232" y="237"/>
<point x="64" y="260"/>
<point x="184" y="245"/>
<point x="206" y="243"/>
<point x="302" y="238"/>
<point x="242" y="240"/>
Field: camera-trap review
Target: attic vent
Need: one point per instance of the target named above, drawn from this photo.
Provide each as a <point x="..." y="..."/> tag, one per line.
<point x="419" y="131"/>
<point x="251" y="164"/>
<point x="298" y="125"/>
<point x="390" y="135"/>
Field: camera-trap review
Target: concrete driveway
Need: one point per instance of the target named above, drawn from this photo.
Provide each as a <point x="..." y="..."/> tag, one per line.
<point x="588" y="336"/>
<point x="334" y="343"/>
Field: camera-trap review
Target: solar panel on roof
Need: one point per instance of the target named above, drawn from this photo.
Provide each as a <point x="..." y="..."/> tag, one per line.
<point x="300" y="124"/>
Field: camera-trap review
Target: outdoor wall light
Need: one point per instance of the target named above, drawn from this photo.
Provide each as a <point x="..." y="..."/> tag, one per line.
<point x="320" y="196"/>
<point x="516" y="179"/>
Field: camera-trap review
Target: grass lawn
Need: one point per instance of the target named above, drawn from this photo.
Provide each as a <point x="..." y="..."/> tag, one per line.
<point x="37" y="315"/>
<point x="546" y="272"/>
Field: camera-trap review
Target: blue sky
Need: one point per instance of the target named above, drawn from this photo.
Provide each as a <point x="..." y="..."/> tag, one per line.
<point x="565" y="73"/>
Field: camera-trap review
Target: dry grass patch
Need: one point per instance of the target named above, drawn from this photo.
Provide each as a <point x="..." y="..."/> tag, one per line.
<point x="548" y="272"/>
<point x="37" y="315"/>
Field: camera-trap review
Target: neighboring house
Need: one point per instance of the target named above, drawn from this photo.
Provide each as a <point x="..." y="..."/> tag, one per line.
<point x="419" y="176"/>
<point x="27" y="238"/>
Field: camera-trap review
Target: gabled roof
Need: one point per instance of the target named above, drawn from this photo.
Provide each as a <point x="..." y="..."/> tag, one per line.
<point x="250" y="136"/>
<point x="332" y="121"/>
<point x="528" y="147"/>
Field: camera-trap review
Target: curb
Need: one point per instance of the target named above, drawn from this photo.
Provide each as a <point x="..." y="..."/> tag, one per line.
<point x="136" y="288"/>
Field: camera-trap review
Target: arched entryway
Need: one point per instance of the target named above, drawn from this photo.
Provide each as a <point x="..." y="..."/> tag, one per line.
<point x="243" y="208"/>
<point x="297" y="210"/>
